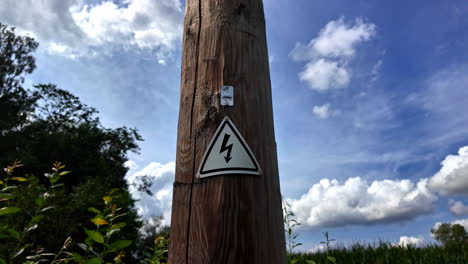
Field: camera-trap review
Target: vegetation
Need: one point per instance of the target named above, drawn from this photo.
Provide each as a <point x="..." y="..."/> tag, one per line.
<point x="46" y="217"/>
<point x="101" y="244"/>
<point x="453" y="248"/>
<point x="290" y="224"/>
<point x="385" y="253"/>
<point x="449" y="234"/>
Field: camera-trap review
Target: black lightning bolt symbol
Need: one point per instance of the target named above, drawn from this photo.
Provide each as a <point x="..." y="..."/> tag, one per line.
<point x="228" y="148"/>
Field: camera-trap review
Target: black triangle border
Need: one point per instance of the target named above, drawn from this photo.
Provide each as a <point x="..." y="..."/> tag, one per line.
<point x="229" y="123"/>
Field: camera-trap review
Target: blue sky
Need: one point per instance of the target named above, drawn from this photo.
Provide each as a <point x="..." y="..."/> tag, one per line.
<point x="369" y="99"/>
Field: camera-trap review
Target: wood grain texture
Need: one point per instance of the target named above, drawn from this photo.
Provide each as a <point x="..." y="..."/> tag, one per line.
<point x="230" y="218"/>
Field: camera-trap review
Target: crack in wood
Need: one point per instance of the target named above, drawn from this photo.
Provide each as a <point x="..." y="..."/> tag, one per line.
<point x="191" y="129"/>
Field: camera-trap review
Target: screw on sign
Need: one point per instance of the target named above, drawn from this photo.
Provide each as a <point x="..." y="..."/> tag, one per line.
<point x="226" y="205"/>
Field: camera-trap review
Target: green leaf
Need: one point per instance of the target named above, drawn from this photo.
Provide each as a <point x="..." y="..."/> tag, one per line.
<point x="20" y="251"/>
<point x="94" y="261"/>
<point x="118" y="226"/>
<point x="107" y="199"/>
<point x="119" y="244"/>
<point x="88" y="241"/>
<point x="3" y="261"/>
<point x="57" y="185"/>
<point x="9" y="188"/>
<point x="9" y="210"/>
<point x="54" y="179"/>
<point x="20" y="179"/>
<point x="7" y="196"/>
<point x="296" y="245"/>
<point x="40" y="201"/>
<point x="95" y="235"/>
<point x="13" y="233"/>
<point x="311" y="262"/>
<point x="3" y="228"/>
<point x="36" y="219"/>
<point x="94" y="210"/>
<point x="332" y="259"/>
<point x="63" y="173"/>
<point x="120" y="215"/>
<point x="99" y="221"/>
<point x="111" y="232"/>
<point x="77" y="257"/>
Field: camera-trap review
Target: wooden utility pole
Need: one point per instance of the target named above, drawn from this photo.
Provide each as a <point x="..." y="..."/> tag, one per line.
<point x="229" y="218"/>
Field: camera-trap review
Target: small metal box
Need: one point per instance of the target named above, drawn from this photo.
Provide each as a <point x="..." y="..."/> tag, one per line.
<point x="227" y="95"/>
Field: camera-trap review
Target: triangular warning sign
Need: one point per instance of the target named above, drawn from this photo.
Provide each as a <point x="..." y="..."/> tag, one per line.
<point x="228" y="153"/>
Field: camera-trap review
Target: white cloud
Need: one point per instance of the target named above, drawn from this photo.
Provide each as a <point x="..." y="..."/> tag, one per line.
<point x="331" y="204"/>
<point x="324" y="74"/>
<point x="452" y="178"/>
<point x="131" y="165"/>
<point x="324" y="111"/>
<point x="406" y="241"/>
<point x="160" y="203"/>
<point x="458" y="208"/>
<point x="336" y="40"/>
<point x="328" y="55"/>
<point x="73" y="28"/>
<point x="318" y="248"/>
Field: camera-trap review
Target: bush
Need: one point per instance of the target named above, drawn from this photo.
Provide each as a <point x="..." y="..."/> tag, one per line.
<point x="21" y="216"/>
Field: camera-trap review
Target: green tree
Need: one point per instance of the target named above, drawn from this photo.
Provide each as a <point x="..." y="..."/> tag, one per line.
<point x="15" y="61"/>
<point x="450" y="234"/>
<point x="43" y="124"/>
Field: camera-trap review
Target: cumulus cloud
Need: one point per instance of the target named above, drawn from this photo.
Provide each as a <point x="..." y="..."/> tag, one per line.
<point x="406" y="241"/>
<point x="457" y="208"/>
<point x="324" y="111"/>
<point x="159" y="202"/>
<point x="324" y="74"/>
<point x="452" y="178"/>
<point x="131" y="165"/>
<point x="74" y="28"/>
<point x="328" y="55"/>
<point x="356" y="202"/>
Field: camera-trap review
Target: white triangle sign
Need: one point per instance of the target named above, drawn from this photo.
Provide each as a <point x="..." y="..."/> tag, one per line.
<point x="228" y="153"/>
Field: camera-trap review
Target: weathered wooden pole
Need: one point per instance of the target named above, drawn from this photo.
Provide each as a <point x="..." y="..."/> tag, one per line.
<point x="229" y="215"/>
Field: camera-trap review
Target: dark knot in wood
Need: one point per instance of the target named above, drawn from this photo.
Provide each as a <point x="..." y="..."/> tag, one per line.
<point x="240" y="9"/>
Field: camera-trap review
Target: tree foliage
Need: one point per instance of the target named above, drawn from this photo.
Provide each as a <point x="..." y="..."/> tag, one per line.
<point x="450" y="234"/>
<point x="15" y="61"/>
<point x="43" y="124"/>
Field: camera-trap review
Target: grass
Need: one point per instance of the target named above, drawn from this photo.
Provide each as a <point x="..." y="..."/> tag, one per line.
<point x="388" y="254"/>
